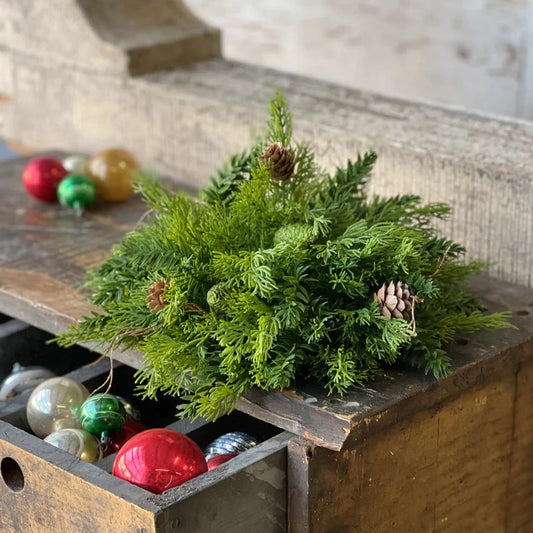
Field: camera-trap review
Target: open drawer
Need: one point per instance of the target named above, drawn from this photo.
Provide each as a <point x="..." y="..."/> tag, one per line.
<point x="43" y="488"/>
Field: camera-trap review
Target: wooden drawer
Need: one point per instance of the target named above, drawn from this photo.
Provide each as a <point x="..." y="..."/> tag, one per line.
<point x="43" y="488"/>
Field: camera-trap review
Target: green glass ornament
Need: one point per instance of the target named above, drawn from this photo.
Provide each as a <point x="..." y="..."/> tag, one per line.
<point x="101" y="414"/>
<point x="76" y="191"/>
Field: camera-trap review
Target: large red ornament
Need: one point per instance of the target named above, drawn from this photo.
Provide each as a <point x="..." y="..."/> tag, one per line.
<point x="120" y="437"/>
<point x="218" y="460"/>
<point x="41" y="177"/>
<point x="159" y="459"/>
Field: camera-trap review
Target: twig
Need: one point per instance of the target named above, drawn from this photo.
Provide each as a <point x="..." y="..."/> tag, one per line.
<point x="442" y="259"/>
<point x="193" y="308"/>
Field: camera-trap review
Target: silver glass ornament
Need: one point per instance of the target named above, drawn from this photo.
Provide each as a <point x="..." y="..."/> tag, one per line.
<point x="55" y="405"/>
<point x="77" y="442"/>
<point x="76" y="164"/>
<point x="130" y="409"/>
<point x="234" y="442"/>
<point x="23" y="378"/>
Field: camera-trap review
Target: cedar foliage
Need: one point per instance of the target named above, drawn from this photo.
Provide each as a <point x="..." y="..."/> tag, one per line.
<point x="269" y="281"/>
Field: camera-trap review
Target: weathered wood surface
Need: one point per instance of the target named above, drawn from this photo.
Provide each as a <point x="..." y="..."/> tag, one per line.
<point x="461" y="465"/>
<point x="184" y="122"/>
<point x="45" y="250"/>
<point x="247" y="494"/>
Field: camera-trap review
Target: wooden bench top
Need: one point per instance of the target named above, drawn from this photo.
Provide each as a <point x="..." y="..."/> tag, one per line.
<point x="45" y="251"/>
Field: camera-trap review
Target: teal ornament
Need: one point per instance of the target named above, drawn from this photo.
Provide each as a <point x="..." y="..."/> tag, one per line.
<point x="76" y="191"/>
<point x="101" y="414"/>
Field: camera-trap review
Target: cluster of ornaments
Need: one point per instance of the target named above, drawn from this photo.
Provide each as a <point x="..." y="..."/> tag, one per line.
<point x="76" y="181"/>
<point x="61" y="411"/>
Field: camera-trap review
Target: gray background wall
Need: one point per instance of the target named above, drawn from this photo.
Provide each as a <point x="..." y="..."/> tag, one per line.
<point x="476" y="53"/>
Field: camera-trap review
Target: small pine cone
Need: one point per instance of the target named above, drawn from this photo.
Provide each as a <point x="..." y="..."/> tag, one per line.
<point x="157" y="291"/>
<point x="280" y="160"/>
<point x="395" y="301"/>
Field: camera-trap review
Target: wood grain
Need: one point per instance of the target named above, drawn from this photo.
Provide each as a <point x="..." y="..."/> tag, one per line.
<point x="248" y="493"/>
<point x="519" y="488"/>
<point x="462" y="466"/>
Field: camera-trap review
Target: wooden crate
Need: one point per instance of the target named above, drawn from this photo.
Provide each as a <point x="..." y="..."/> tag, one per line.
<point x="43" y="488"/>
<point x="406" y="454"/>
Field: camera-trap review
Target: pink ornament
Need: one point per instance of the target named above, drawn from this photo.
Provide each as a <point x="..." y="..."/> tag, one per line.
<point x="219" y="459"/>
<point x="159" y="459"/>
<point x="41" y="177"/>
<point x="120" y="437"/>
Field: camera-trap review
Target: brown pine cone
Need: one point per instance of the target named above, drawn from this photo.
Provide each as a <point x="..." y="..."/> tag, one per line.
<point x="395" y="301"/>
<point x="157" y="291"/>
<point x="280" y="161"/>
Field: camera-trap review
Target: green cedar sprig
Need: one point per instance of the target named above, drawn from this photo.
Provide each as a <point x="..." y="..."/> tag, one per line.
<point x="272" y="281"/>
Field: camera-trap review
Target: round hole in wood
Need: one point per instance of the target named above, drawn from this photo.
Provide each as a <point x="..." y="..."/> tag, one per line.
<point x="460" y="341"/>
<point x="522" y="312"/>
<point x="12" y="474"/>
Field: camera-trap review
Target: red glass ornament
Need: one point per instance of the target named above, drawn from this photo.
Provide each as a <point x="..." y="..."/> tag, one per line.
<point x="120" y="437"/>
<point x="159" y="459"/>
<point x="219" y="459"/>
<point x="41" y="177"/>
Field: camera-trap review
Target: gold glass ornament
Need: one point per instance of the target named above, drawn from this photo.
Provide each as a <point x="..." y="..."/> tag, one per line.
<point x="111" y="171"/>
<point x="78" y="442"/>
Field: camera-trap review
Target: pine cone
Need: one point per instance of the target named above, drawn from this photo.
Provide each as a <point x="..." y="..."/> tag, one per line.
<point x="395" y="301"/>
<point x="280" y="160"/>
<point x="155" y="300"/>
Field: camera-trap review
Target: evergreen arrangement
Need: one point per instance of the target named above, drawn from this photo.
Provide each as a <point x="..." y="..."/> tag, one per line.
<point x="278" y="271"/>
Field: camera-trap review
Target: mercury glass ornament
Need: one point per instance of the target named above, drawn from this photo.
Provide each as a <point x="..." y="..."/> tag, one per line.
<point x="76" y="191"/>
<point x="78" y="442"/>
<point x="234" y="443"/>
<point x="55" y="404"/>
<point x="112" y="172"/>
<point x="102" y="413"/>
<point x="76" y="164"/>
<point x="23" y="378"/>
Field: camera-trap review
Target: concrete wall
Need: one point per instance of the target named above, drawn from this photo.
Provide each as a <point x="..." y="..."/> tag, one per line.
<point x="477" y="53"/>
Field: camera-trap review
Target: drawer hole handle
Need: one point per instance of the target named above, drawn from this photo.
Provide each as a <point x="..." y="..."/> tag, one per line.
<point x="12" y="474"/>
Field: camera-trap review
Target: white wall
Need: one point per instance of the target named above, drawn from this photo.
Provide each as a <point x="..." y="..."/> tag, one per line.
<point x="475" y="53"/>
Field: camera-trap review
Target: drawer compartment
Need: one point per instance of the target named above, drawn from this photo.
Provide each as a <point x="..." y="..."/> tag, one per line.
<point x="43" y="488"/>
